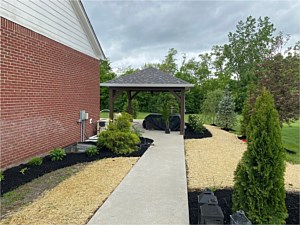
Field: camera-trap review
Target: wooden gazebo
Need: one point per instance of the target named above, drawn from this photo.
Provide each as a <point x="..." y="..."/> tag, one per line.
<point x="150" y="80"/>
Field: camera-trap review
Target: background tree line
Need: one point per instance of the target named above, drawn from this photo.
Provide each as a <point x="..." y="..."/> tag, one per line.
<point x="253" y="57"/>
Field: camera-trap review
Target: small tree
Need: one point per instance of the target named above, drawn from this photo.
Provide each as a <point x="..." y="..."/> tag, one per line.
<point x="259" y="177"/>
<point x="210" y="104"/>
<point x="226" y="116"/>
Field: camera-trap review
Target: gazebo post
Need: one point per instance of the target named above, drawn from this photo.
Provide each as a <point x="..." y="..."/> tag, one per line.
<point x="182" y="111"/>
<point x="129" y="102"/>
<point x="111" y="104"/>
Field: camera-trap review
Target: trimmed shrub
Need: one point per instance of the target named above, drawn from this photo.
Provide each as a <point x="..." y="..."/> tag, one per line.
<point x="226" y="116"/>
<point x="259" y="177"/>
<point x="119" y="142"/>
<point x="119" y="138"/>
<point x="57" y="154"/>
<point x="36" y="161"/>
<point x="196" y="123"/>
<point x="91" y="151"/>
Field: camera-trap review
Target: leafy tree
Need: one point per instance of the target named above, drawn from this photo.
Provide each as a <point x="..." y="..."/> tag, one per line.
<point x="106" y="74"/>
<point x="211" y="103"/>
<point x="169" y="65"/>
<point x="259" y="177"/>
<point x="280" y="75"/>
<point x="226" y="116"/>
<point x="248" y="46"/>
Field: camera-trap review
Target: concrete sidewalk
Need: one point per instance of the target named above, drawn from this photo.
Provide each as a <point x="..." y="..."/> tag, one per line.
<point x="155" y="190"/>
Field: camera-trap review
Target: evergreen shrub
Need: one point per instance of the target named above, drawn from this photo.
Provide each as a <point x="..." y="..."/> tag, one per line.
<point x="226" y="117"/>
<point x="119" y="138"/>
<point x="259" y="177"/>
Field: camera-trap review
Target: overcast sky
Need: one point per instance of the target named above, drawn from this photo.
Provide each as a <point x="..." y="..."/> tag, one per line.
<point x="134" y="32"/>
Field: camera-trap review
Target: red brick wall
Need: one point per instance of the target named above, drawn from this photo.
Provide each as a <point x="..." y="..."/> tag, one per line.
<point x="44" y="85"/>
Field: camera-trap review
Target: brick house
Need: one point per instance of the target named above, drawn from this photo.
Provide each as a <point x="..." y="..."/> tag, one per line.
<point x="49" y="61"/>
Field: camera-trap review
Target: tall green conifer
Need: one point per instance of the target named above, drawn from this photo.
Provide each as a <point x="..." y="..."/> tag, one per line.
<point x="259" y="177"/>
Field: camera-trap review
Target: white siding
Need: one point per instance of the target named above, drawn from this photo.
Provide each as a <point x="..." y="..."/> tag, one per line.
<point x="55" y="19"/>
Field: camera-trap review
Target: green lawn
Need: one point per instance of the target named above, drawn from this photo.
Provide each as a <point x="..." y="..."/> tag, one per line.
<point x="290" y="139"/>
<point x="140" y="115"/>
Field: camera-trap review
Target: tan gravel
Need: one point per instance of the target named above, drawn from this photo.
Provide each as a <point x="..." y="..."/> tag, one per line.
<point x="211" y="162"/>
<point x="76" y="199"/>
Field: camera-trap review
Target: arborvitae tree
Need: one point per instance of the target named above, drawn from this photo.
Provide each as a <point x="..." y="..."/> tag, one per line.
<point x="226" y="116"/>
<point x="259" y="177"/>
<point x="247" y="108"/>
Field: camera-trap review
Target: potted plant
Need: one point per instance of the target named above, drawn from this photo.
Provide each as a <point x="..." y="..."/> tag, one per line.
<point x="166" y="116"/>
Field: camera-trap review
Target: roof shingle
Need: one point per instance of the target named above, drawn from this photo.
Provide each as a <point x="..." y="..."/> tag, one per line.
<point x="149" y="77"/>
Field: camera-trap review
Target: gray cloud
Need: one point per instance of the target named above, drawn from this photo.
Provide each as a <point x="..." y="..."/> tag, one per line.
<point x="135" y="32"/>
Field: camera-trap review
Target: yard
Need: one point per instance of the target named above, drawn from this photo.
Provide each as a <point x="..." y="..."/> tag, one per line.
<point x="290" y="136"/>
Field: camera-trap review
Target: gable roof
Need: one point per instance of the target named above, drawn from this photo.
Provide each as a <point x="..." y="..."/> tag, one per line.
<point x="84" y="19"/>
<point x="149" y="77"/>
<point x="65" y="22"/>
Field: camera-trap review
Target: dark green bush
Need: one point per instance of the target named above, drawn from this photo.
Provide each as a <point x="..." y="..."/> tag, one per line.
<point x="57" y="154"/>
<point x="1" y="175"/>
<point x="36" y="161"/>
<point x="91" y="151"/>
<point x="196" y="123"/>
<point x="259" y="177"/>
<point x="118" y="137"/>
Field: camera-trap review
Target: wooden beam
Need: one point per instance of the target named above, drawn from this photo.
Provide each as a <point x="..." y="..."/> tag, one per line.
<point x="182" y="111"/>
<point x="176" y="96"/>
<point x="135" y="94"/>
<point x="129" y="102"/>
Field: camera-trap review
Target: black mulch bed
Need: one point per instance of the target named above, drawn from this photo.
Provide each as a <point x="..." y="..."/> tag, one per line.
<point x="190" y="133"/>
<point x="224" y="199"/>
<point x="14" y="179"/>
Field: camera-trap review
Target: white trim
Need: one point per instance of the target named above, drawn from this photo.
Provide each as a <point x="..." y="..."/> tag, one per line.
<point x="79" y="10"/>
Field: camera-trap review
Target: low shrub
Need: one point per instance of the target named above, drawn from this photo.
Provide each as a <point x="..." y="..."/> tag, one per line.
<point x="196" y="123"/>
<point x="1" y="175"/>
<point x="57" y="154"/>
<point x="91" y="151"/>
<point x="119" y="142"/>
<point x="119" y="138"/>
<point x="36" y="161"/>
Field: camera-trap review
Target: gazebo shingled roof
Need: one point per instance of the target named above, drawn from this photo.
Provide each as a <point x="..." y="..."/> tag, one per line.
<point x="149" y="79"/>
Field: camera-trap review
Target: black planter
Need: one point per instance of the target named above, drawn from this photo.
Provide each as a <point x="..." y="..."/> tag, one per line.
<point x="167" y="130"/>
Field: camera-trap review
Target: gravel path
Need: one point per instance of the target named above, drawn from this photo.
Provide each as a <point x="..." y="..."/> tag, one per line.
<point x="75" y="200"/>
<point x="211" y="162"/>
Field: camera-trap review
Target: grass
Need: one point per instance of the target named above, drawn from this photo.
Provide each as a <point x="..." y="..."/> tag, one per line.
<point x="140" y="115"/>
<point x="290" y="139"/>
<point x="12" y="201"/>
